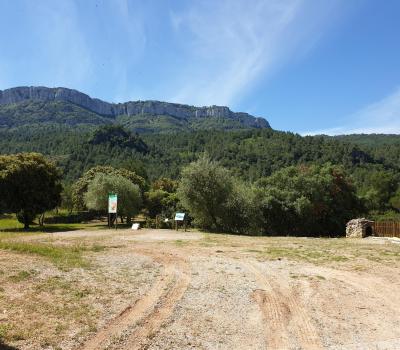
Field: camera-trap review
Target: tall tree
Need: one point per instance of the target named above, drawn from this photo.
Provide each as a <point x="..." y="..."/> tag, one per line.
<point x="81" y="186"/>
<point x="129" y="196"/>
<point x="29" y="185"/>
<point x="214" y="198"/>
<point x="307" y="200"/>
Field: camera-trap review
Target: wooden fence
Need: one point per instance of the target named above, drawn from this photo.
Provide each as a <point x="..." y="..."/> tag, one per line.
<point x="386" y="229"/>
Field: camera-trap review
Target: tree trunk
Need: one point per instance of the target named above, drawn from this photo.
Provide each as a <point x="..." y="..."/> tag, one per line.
<point x="41" y="220"/>
<point x="26" y="223"/>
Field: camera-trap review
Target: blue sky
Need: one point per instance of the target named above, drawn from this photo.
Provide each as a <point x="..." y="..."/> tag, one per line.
<point x="308" y="66"/>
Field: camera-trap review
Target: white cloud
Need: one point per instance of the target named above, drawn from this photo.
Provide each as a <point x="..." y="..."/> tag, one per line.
<point x="382" y="117"/>
<point x="232" y="45"/>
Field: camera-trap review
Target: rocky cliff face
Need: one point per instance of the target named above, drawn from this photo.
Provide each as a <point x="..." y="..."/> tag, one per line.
<point x="34" y="93"/>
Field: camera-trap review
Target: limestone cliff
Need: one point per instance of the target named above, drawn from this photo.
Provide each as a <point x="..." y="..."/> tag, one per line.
<point x="132" y="108"/>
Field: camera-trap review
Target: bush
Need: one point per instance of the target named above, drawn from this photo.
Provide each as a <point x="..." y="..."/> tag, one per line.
<point x="73" y="218"/>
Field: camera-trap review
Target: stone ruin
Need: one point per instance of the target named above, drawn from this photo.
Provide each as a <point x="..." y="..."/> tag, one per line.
<point x="359" y="228"/>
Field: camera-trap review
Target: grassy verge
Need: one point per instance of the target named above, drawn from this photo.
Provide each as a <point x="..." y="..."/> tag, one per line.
<point x="62" y="257"/>
<point x="312" y="250"/>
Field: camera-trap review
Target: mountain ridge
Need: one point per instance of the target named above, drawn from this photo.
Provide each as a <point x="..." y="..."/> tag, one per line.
<point x="131" y="108"/>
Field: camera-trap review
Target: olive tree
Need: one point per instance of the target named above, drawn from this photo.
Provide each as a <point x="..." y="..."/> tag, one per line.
<point x="129" y="195"/>
<point x="81" y="186"/>
<point x="214" y="198"/>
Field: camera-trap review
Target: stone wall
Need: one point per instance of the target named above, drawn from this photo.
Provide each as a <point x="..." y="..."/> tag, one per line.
<point x="357" y="228"/>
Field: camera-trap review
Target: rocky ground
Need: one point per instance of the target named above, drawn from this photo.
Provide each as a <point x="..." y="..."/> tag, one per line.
<point x="161" y="289"/>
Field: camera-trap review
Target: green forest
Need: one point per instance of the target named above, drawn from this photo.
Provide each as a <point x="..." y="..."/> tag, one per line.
<point x="93" y="153"/>
<point x="369" y="161"/>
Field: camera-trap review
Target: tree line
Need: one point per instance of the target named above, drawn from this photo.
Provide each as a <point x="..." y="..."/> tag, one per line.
<point x="370" y="161"/>
<point x="297" y="200"/>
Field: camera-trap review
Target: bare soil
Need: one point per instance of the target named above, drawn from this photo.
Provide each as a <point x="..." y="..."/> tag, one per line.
<point x="162" y="289"/>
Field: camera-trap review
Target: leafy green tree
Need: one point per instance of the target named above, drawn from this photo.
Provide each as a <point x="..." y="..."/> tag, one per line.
<point x="136" y="166"/>
<point x="66" y="198"/>
<point x="154" y="201"/>
<point x="29" y="185"/>
<point x="395" y="200"/>
<point x="161" y="199"/>
<point x="129" y="195"/>
<point x="81" y="186"/>
<point x="165" y="184"/>
<point x="205" y="190"/>
<point x="212" y="196"/>
<point x="159" y="202"/>
<point x="307" y="200"/>
<point x="241" y="210"/>
<point x="376" y="186"/>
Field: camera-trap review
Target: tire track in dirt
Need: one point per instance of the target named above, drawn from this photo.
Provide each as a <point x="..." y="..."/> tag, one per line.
<point x="150" y="325"/>
<point x="143" y="318"/>
<point x="283" y="316"/>
<point x="275" y="316"/>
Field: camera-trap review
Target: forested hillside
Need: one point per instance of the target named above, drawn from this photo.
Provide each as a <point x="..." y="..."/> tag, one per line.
<point x="372" y="140"/>
<point x="156" y="146"/>
<point x="250" y="154"/>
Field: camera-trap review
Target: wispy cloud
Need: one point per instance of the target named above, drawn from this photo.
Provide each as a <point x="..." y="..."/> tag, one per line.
<point x="382" y="117"/>
<point x="197" y="52"/>
<point x="232" y="45"/>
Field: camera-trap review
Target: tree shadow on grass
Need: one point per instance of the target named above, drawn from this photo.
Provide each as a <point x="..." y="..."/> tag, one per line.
<point x="7" y="347"/>
<point x="58" y="228"/>
<point x="54" y="228"/>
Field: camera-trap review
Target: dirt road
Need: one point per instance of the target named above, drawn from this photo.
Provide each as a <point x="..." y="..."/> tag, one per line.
<point x="225" y="292"/>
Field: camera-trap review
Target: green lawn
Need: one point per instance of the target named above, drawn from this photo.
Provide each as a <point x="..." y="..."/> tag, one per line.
<point x="9" y="223"/>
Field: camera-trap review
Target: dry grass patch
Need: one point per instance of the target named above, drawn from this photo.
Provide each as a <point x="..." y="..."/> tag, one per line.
<point x="63" y="256"/>
<point x="311" y="250"/>
<point x="45" y="305"/>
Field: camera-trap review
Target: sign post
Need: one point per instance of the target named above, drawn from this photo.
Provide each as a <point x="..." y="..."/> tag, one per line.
<point x="112" y="208"/>
<point x="180" y="217"/>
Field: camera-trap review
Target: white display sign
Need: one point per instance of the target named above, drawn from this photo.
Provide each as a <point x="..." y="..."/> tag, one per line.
<point x="179" y="216"/>
<point x="112" y="203"/>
